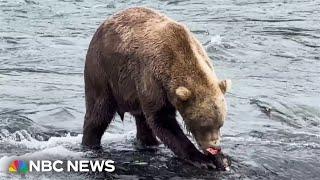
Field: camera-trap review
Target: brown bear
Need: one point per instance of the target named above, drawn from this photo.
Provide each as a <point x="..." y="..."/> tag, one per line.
<point x="142" y="62"/>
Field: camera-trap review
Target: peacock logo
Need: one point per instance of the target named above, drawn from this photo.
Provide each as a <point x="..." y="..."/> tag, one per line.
<point x="18" y="166"/>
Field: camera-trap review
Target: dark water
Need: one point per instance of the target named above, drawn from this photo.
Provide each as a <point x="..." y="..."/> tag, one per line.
<point x="270" y="50"/>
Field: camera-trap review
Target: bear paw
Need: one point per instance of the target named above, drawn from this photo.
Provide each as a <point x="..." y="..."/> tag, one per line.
<point x="218" y="161"/>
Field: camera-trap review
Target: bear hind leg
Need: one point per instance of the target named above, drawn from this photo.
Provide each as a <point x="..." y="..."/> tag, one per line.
<point x="145" y="136"/>
<point x="98" y="116"/>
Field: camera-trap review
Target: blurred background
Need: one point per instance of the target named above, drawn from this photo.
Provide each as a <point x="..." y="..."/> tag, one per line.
<point x="270" y="50"/>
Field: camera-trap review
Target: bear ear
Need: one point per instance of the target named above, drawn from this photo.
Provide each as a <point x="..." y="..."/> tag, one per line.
<point x="225" y="85"/>
<point x="183" y="93"/>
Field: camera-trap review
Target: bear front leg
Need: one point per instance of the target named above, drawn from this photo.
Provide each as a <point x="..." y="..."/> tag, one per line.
<point x="166" y="127"/>
<point x="145" y="136"/>
<point x="98" y="116"/>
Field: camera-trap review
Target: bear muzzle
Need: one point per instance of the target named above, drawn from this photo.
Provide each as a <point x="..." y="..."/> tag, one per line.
<point x="204" y="145"/>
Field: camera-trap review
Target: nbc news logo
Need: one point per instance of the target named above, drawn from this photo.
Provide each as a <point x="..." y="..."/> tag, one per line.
<point x="23" y="166"/>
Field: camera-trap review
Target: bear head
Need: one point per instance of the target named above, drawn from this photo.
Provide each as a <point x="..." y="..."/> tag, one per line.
<point x="203" y="108"/>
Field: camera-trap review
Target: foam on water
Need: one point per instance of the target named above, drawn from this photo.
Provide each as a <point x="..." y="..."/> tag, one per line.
<point x="71" y="141"/>
<point x="32" y="143"/>
<point x="215" y="40"/>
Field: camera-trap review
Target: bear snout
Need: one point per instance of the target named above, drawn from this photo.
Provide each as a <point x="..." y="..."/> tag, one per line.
<point x="213" y="143"/>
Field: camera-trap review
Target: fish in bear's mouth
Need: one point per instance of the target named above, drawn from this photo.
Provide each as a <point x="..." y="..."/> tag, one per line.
<point x="222" y="162"/>
<point x="214" y="150"/>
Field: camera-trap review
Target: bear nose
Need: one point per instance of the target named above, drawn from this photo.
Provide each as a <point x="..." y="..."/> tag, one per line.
<point x="215" y="143"/>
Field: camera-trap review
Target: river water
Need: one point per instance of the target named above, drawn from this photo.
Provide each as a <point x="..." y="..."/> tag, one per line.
<point x="270" y="50"/>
